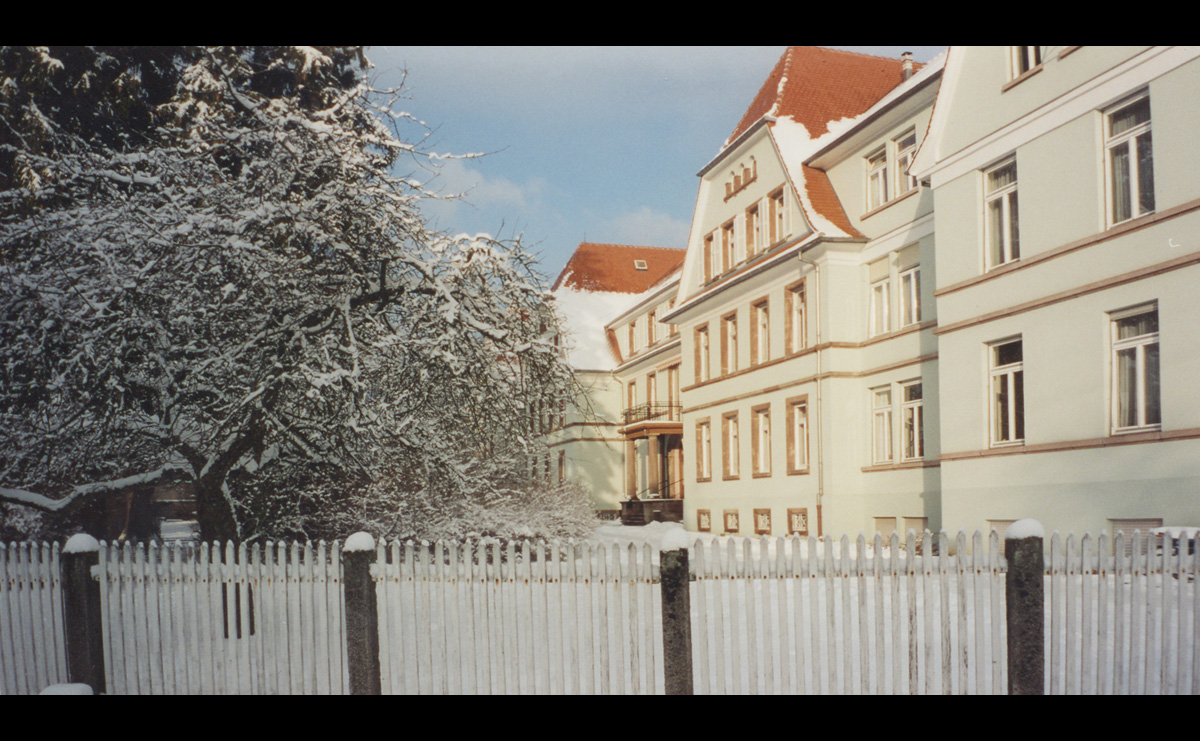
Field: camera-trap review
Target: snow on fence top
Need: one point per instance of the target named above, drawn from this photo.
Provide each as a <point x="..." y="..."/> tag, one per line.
<point x="1026" y="528"/>
<point x="360" y="541"/>
<point x="81" y="543"/>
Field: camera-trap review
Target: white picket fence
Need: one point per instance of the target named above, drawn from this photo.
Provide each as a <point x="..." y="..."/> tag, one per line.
<point x="32" y="644"/>
<point x="772" y="615"/>
<point x="800" y="615"/>
<point x="544" y="618"/>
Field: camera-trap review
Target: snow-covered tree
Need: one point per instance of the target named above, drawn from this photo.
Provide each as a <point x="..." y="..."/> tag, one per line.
<point x="211" y="268"/>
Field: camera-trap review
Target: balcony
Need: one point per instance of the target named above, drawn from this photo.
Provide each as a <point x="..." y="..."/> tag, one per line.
<point x="660" y="411"/>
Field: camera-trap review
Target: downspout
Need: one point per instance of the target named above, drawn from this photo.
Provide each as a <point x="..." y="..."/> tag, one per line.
<point x="820" y="408"/>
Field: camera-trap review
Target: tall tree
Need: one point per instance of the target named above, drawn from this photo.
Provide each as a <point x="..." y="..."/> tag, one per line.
<point x="211" y="266"/>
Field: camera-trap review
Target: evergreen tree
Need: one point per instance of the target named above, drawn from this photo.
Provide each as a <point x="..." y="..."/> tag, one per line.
<point x="209" y="269"/>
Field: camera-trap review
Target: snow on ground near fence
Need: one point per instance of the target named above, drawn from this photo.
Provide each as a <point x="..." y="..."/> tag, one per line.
<point x="782" y="615"/>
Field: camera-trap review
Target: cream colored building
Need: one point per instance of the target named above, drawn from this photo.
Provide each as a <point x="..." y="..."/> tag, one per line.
<point x="1068" y="263"/>
<point x="808" y="361"/>
<point x="599" y="282"/>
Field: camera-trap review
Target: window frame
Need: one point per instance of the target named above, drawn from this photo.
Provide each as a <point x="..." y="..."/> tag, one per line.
<point x="1139" y="344"/>
<point x="778" y="229"/>
<point x="910" y="296"/>
<point x="704" y="520"/>
<point x="760" y="441"/>
<point x="731" y="444"/>
<point x="905" y="182"/>
<point x="796" y="515"/>
<point x="796" y="315"/>
<point x="1009" y="246"/>
<point x="1023" y="59"/>
<point x="882" y="425"/>
<point x="917" y="408"/>
<point x="880" y="309"/>
<point x="704" y="449"/>
<point x="797" y="434"/>
<point x="729" y="344"/>
<point x="728" y="246"/>
<point x="762" y="521"/>
<point x="754" y="232"/>
<point x="1015" y="409"/>
<point x="877" y="178"/>
<point x="760" y="331"/>
<point x="1128" y="138"/>
<point x="702" y="349"/>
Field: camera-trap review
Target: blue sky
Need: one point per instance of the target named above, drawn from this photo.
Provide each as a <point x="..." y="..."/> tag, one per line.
<point x="598" y="144"/>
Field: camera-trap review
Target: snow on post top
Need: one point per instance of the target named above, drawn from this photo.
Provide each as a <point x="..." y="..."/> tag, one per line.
<point x="360" y="541"/>
<point x="81" y="543"/>
<point x="675" y="539"/>
<point x="1026" y="528"/>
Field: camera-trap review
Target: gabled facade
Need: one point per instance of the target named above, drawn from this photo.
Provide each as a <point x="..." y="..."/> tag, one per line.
<point x="600" y="281"/>
<point x="804" y="325"/>
<point x="1067" y="267"/>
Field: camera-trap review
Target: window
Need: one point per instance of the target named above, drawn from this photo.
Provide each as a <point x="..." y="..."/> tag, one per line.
<point x="703" y="450"/>
<point x="703" y="520"/>
<point x="754" y="237"/>
<point x="762" y="522"/>
<point x="672" y="328"/>
<point x="877" y="180"/>
<point x="1000" y="207"/>
<point x="1022" y="59"/>
<point x="797" y="435"/>
<point x="760" y="442"/>
<point x="651" y="331"/>
<point x="881" y="425"/>
<point x="1008" y="393"/>
<point x="910" y="297"/>
<point x="640" y="265"/>
<point x="906" y="148"/>
<point x="760" y="342"/>
<point x="778" y="214"/>
<point x="880" y="319"/>
<point x="673" y="390"/>
<point x="798" y="521"/>
<point x="633" y="339"/>
<point x="728" y="247"/>
<point x="730" y="445"/>
<point x="709" y="259"/>
<point x="912" y="421"/>
<point x="632" y="395"/>
<point x="731" y="520"/>
<point x="702" y="353"/>
<point x="1130" y="161"/>
<point x="796" y="321"/>
<point x="651" y="390"/>
<point x="729" y="346"/>
<point x="1135" y="371"/>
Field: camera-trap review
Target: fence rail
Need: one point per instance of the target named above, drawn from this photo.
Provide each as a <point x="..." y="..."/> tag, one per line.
<point x="771" y="615"/>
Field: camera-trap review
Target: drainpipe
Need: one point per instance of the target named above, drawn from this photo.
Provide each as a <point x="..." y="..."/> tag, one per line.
<point x="820" y="408"/>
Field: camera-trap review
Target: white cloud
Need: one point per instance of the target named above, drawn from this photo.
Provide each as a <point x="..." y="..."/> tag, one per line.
<point x="645" y="226"/>
<point x="478" y="202"/>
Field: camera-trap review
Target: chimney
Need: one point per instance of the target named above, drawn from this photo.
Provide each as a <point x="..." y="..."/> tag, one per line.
<point x="906" y="65"/>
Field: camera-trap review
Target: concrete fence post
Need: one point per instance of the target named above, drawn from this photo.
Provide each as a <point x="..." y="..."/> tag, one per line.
<point x="362" y="614"/>
<point x="1024" y="593"/>
<point x="676" y="613"/>
<point x="81" y="612"/>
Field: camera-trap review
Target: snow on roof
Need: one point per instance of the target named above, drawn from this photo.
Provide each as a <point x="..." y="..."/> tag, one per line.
<point x="816" y="86"/>
<point x="600" y="282"/>
<point x="823" y="96"/>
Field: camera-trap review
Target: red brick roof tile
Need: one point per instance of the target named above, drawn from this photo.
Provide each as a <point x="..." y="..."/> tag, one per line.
<point x="611" y="267"/>
<point x="822" y="85"/>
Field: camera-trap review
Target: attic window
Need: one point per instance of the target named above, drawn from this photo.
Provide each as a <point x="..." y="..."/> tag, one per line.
<point x="640" y="265"/>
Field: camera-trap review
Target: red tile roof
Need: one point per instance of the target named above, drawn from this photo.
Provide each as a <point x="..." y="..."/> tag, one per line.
<point x="822" y="85"/>
<point x="825" y="200"/>
<point x="611" y="267"/>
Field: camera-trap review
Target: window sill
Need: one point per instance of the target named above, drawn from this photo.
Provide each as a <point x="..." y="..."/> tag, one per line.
<point x="1020" y="78"/>
<point x="902" y="466"/>
<point x="797" y="472"/>
<point x="761" y="475"/>
<point x="886" y="204"/>
<point x="1136" y="430"/>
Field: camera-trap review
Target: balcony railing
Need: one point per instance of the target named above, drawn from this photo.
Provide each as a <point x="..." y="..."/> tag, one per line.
<point x="657" y="410"/>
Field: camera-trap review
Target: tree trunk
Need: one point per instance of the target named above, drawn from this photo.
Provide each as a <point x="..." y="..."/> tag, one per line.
<point x="214" y="513"/>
